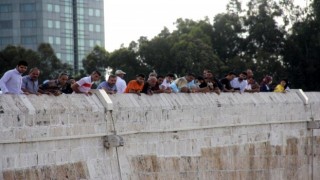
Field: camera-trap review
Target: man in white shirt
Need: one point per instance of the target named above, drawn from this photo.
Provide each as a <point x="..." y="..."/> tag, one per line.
<point x="11" y="81"/>
<point x="239" y="83"/>
<point x="121" y="84"/>
<point x="85" y="83"/>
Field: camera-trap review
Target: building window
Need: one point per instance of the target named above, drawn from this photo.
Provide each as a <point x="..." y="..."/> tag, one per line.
<point x="56" y="8"/>
<point x="5" y="41"/>
<point x="29" y="39"/>
<point x="80" y="11"/>
<point x="7" y="24"/>
<point x="81" y="27"/>
<point x="90" y="27"/>
<point x="91" y="43"/>
<point x="28" y="23"/>
<point x="58" y="24"/>
<point x="98" y="42"/>
<point x="81" y="42"/>
<point x="68" y="41"/>
<point x="98" y="28"/>
<point x="5" y="8"/>
<point x="58" y="55"/>
<point x="68" y="25"/>
<point x="90" y="12"/>
<point x="58" y="40"/>
<point x="28" y="7"/>
<point x="49" y="7"/>
<point x="98" y="12"/>
<point x="50" y="24"/>
<point x="69" y="58"/>
<point x="50" y="40"/>
<point x="67" y="9"/>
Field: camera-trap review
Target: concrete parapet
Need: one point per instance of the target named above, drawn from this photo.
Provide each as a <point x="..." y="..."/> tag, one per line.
<point x="166" y="136"/>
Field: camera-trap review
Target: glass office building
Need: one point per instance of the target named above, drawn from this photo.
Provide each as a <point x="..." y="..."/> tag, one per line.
<point x="72" y="27"/>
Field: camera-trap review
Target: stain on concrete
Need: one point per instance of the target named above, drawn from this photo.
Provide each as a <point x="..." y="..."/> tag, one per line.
<point x="247" y="162"/>
<point x="74" y="171"/>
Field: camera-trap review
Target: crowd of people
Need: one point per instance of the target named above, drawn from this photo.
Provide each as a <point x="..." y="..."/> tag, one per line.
<point x="12" y="82"/>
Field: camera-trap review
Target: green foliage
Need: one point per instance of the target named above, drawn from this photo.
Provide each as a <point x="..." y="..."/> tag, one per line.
<point x="96" y="60"/>
<point x="270" y="37"/>
<point x="45" y="59"/>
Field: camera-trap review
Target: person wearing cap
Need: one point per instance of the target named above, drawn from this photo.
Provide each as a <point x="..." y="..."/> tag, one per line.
<point x="121" y="83"/>
<point x="136" y="86"/>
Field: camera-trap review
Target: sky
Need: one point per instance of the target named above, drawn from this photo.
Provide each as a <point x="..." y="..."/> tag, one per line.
<point x="127" y="20"/>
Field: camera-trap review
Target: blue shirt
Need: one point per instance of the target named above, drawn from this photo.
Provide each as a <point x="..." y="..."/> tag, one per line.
<point x="11" y="82"/>
<point x="29" y="84"/>
<point x="180" y="83"/>
<point x="105" y="85"/>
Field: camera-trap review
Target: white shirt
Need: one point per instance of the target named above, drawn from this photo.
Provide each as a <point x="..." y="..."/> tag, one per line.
<point x="235" y="83"/>
<point x="165" y="84"/>
<point x="85" y="84"/>
<point x="11" y="82"/>
<point x="121" y="85"/>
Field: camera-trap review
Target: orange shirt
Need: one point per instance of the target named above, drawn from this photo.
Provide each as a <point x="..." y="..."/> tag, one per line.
<point x="133" y="85"/>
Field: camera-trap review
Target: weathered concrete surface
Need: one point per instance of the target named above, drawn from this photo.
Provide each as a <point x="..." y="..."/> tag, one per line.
<point x="167" y="136"/>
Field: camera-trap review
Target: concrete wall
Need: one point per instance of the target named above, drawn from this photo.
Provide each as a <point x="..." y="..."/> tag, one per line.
<point x="166" y="136"/>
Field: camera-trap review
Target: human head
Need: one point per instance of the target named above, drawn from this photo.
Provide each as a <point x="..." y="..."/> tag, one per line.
<point x="231" y="75"/>
<point x="209" y="75"/>
<point x="251" y="80"/>
<point x="95" y="75"/>
<point x="152" y="81"/>
<point x="169" y="77"/>
<point x="112" y="80"/>
<point x="283" y="82"/>
<point x="22" y="67"/>
<point x="242" y="76"/>
<point x="120" y="73"/>
<point x="140" y="78"/>
<point x="63" y="78"/>
<point x="34" y="73"/>
<point x="190" y="77"/>
<point x="205" y="73"/>
<point x="249" y="73"/>
<point x="154" y="74"/>
<point x="267" y="79"/>
<point x="160" y="79"/>
<point x="200" y="80"/>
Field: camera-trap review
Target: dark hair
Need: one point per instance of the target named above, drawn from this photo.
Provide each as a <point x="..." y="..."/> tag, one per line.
<point x="160" y="76"/>
<point x="191" y="74"/>
<point x="200" y="78"/>
<point x="243" y="72"/>
<point x="112" y="76"/>
<point x="232" y="73"/>
<point x="140" y="75"/>
<point x="170" y="75"/>
<point x="22" y="63"/>
<point x="97" y="72"/>
<point x="63" y="74"/>
<point x="33" y="69"/>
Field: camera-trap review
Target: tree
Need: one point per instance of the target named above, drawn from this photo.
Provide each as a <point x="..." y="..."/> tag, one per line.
<point x="49" y="64"/>
<point x="45" y="59"/>
<point x="264" y="43"/>
<point x="97" y="59"/>
<point x="127" y="60"/>
<point x="301" y="55"/>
